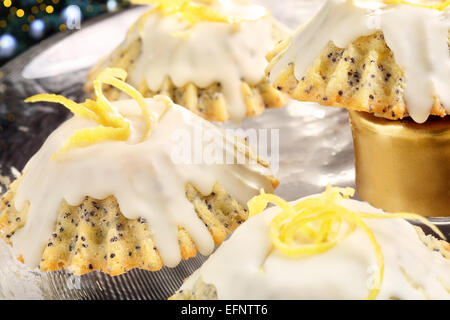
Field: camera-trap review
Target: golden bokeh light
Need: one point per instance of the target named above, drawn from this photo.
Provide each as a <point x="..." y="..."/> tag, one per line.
<point x="20" y="13"/>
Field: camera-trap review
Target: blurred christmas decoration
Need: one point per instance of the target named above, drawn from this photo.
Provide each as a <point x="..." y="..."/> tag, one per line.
<point x="71" y="17"/>
<point x="112" y="5"/>
<point x="37" y="29"/>
<point x="24" y="23"/>
<point x="8" y="45"/>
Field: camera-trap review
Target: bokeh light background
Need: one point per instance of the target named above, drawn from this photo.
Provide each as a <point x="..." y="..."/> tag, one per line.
<point x="24" y="23"/>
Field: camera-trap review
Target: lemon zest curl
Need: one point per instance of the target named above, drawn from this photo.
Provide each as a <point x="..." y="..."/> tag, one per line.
<point x="198" y="11"/>
<point x="112" y="125"/>
<point x="316" y="225"/>
<point x="440" y="6"/>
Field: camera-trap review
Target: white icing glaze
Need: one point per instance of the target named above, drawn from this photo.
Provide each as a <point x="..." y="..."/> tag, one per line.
<point x="416" y="36"/>
<point x="210" y="52"/>
<point x="343" y="272"/>
<point x="142" y="176"/>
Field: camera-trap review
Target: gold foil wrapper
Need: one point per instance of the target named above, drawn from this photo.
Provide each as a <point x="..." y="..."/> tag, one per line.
<point x="403" y="166"/>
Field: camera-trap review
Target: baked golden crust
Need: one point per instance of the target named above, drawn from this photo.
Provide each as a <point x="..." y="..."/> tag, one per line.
<point x="208" y="102"/>
<point x="364" y="76"/>
<point x="96" y="236"/>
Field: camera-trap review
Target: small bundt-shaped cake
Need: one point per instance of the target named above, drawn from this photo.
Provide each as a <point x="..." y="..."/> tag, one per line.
<point x="387" y="59"/>
<point x="115" y="187"/>
<point x="323" y="247"/>
<point x="208" y="56"/>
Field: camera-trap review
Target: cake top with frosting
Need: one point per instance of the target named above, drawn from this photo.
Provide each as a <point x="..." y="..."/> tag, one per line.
<point x="204" y="42"/>
<point x="415" y="31"/>
<point x="324" y="247"/>
<point x="196" y="11"/>
<point x="133" y="150"/>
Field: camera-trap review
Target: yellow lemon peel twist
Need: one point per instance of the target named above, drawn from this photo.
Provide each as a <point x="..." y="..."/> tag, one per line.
<point x="112" y="125"/>
<point x="438" y="6"/>
<point x="198" y="11"/>
<point x="315" y="225"/>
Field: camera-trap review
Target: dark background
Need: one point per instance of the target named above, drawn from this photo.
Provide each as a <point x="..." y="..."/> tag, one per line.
<point x="24" y="23"/>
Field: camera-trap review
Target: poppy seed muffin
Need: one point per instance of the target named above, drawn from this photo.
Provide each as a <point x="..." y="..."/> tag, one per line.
<point x="289" y="249"/>
<point x="121" y="185"/>
<point x="365" y="71"/>
<point x="96" y="236"/>
<point x="213" y="66"/>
